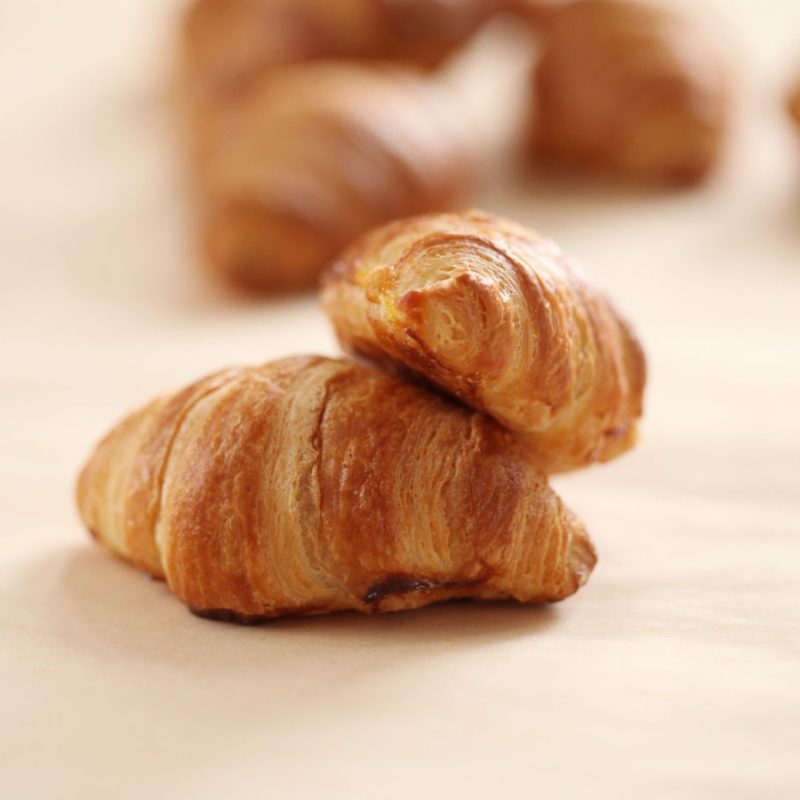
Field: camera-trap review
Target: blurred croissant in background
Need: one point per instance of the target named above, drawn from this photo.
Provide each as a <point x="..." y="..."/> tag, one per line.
<point x="294" y="154"/>
<point x="312" y="156"/>
<point x="794" y="105"/>
<point x="227" y="42"/>
<point x="628" y="89"/>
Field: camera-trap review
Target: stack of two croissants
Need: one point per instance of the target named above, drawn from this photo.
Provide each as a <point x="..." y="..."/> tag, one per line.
<point x="418" y="473"/>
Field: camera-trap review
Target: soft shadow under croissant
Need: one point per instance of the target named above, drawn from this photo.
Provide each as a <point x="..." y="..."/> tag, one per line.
<point x="310" y="485"/>
<point x="498" y="316"/>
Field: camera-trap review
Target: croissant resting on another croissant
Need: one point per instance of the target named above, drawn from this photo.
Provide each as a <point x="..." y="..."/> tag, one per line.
<point x="629" y="89"/>
<point x="315" y="155"/>
<point x="496" y="315"/>
<point x="227" y="42"/>
<point x="310" y="485"/>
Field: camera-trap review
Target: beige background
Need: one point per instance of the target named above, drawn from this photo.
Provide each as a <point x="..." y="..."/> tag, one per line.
<point x="674" y="673"/>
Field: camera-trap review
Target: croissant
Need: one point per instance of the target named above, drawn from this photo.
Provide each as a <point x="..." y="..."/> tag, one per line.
<point x="499" y="317"/>
<point x="629" y="89"/>
<point x="228" y="42"/>
<point x="310" y="485"/>
<point x="315" y="155"/>
<point x="794" y="105"/>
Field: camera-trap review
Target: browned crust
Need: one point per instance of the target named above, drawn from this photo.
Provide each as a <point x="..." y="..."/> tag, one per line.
<point x="311" y="485"/>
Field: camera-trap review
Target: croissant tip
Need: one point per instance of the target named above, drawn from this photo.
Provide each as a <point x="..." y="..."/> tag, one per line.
<point x="582" y="558"/>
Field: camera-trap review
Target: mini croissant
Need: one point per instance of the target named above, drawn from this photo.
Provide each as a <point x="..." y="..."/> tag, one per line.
<point x="310" y="485"/>
<point x="629" y="89"/>
<point x="499" y="317"/>
<point x="314" y="155"/>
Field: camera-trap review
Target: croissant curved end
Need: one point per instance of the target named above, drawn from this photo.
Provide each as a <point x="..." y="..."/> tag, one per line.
<point x="582" y="557"/>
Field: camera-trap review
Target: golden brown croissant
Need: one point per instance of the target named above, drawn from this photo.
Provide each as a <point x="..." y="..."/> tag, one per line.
<point x="794" y="105"/>
<point x="228" y="42"/>
<point x="310" y="485"/>
<point x="498" y="316"/>
<point x="315" y="155"/>
<point x="629" y="89"/>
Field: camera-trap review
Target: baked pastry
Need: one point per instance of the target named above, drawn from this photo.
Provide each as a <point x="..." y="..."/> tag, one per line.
<point x="315" y="155"/>
<point x="794" y="105"/>
<point x="310" y="485"/>
<point x="629" y="89"/>
<point x="228" y="42"/>
<point x="498" y="316"/>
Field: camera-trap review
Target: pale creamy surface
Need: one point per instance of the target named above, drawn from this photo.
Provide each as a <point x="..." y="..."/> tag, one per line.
<point x="674" y="673"/>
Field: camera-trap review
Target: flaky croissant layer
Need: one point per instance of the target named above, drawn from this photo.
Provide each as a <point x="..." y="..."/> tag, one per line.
<point x="310" y="485"/>
<point x="498" y="316"/>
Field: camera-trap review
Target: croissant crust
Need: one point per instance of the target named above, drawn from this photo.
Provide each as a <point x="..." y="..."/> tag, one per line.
<point x="310" y="485"/>
<point x="499" y="317"/>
